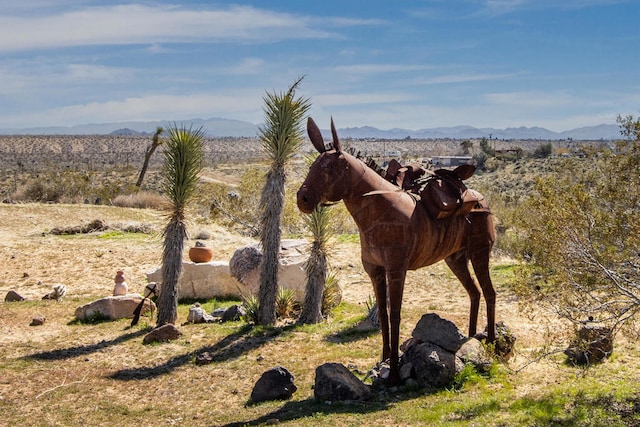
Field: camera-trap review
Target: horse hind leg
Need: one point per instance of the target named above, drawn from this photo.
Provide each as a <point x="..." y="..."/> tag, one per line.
<point x="480" y="262"/>
<point x="459" y="265"/>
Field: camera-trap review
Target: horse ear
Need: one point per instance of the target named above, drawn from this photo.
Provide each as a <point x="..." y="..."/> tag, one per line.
<point x="336" y="141"/>
<point x="315" y="135"/>
<point x="464" y="171"/>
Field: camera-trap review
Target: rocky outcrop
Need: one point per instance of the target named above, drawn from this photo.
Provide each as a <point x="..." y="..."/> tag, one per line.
<point x="113" y="307"/>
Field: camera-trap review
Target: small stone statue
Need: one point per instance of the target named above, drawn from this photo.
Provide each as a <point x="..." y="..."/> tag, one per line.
<point x="121" y="287"/>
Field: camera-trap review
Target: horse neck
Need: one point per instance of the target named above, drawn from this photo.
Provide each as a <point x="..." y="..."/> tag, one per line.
<point x="363" y="181"/>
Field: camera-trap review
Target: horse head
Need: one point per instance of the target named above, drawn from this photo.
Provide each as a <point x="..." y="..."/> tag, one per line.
<point x="324" y="179"/>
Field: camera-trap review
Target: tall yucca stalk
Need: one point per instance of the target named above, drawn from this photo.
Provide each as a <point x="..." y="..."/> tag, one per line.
<point x="182" y="164"/>
<point x="280" y="137"/>
<point x="316" y="267"/>
<point x="155" y="143"/>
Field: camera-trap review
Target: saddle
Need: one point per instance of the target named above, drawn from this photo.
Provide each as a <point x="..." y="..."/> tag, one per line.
<point x="442" y="192"/>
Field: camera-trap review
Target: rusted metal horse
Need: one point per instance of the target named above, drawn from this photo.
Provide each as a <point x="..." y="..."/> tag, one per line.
<point x="397" y="234"/>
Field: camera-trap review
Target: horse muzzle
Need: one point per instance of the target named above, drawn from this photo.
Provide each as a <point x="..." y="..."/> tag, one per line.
<point x="306" y="202"/>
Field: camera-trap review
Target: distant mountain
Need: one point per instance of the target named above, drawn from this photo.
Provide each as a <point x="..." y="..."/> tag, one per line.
<point x="217" y="127"/>
<point x="213" y="127"/>
<point x="591" y="133"/>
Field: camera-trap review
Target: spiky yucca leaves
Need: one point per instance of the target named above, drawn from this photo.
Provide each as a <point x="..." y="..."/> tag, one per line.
<point x="182" y="164"/>
<point x="281" y="137"/>
<point x="316" y="268"/>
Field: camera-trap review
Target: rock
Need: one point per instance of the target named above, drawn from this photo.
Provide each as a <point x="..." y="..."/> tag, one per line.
<point x="233" y="313"/>
<point x="472" y="351"/>
<point x="204" y="358"/>
<point x="334" y="382"/>
<point x="198" y="315"/>
<point x="162" y="333"/>
<point x="38" y="321"/>
<point x="113" y="307"/>
<point x="13" y="296"/>
<point x="274" y="384"/>
<point x="433" y="366"/>
<point x="245" y="266"/>
<point x="505" y="342"/>
<point x="431" y="328"/>
<point x="205" y="280"/>
<point x="593" y="344"/>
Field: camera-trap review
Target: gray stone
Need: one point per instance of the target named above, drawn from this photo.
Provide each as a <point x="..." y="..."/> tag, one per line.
<point x="13" y="296"/>
<point x="245" y="266"/>
<point x="162" y="333"/>
<point x="204" y="280"/>
<point x="472" y="351"/>
<point x="274" y="384"/>
<point x="198" y="315"/>
<point x="334" y="382"/>
<point x="433" y="329"/>
<point x="114" y="307"/>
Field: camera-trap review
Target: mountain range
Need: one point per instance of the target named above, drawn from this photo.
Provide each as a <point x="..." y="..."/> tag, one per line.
<point x="218" y="127"/>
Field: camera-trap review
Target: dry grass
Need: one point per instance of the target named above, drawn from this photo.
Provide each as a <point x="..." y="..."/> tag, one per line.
<point x="66" y="374"/>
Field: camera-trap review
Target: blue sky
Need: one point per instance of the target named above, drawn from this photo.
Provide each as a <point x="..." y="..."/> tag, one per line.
<point x="389" y="64"/>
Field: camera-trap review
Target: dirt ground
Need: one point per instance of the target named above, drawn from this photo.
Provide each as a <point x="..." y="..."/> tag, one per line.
<point x="32" y="260"/>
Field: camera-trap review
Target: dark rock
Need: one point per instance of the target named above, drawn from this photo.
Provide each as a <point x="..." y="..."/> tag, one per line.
<point x="334" y="382"/>
<point x="13" y="296"/>
<point x="275" y="384"/>
<point x="433" y="329"/>
<point x="204" y="358"/>
<point x="235" y="312"/>
<point x="433" y="366"/>
<point x="162" y="333"/>
<point x="593" y="344"/>
<point x="38" y="321"/>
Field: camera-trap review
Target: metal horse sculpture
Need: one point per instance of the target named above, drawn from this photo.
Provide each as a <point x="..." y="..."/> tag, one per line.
<point x="397" y="234"/>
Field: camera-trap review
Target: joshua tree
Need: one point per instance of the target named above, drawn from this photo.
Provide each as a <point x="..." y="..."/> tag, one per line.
<point x="155" y="142"/>
<point x="316" y="267"/>
<point x="182" y="164"/>
<point x="281" y="137"/>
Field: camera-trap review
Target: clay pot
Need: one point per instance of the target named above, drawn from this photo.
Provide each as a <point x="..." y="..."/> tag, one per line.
<point x="200" y="254"/>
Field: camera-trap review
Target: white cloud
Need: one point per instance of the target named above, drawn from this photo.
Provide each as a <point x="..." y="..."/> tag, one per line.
<point x="139" y="24"/>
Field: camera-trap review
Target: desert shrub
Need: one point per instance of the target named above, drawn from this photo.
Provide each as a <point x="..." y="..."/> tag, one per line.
<point x="140" y="200"/>
<point x="332" y="295"/>
<point x="582" y="238"/>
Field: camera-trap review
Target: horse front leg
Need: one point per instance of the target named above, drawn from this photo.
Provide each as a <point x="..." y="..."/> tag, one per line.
<point x="379" y="281"/>
<point x="395" y="280"/>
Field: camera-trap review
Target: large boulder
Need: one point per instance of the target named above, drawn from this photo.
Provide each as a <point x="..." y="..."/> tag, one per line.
<point x="204" y="280"/>
<point x="275" y="384"/>
<point x="245" y="266"/>
<point x="114" y="307"/>
<point x="334" y="382"/>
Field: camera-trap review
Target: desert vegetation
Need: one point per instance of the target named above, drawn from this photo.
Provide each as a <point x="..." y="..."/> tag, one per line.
<point x="549" y="279"/>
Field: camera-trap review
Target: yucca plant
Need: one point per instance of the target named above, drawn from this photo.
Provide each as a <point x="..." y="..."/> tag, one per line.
<point x="332" y="295"/>
<point x="251" y="306"/>
<point x="182" y="164"/>
<point x="316" y="267"/>
<point x="286" y="303"/>
<point x="280" y="137"/>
